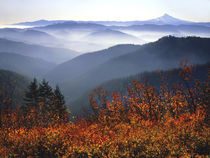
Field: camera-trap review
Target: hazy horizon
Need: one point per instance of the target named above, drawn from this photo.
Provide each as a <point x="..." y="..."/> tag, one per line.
<point x="92" y="10"/>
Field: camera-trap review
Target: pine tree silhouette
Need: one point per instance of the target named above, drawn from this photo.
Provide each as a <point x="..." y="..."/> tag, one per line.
<point x="48" y="104"/>
<point x="32" y="95"/>
<point x="59" y="104"/>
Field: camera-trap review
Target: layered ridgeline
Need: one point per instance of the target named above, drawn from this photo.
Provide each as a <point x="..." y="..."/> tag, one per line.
<point x="155" y="78"/>
<point x="108" y="36"/>
<point x="65" y="74"/>
<point x="50" y="54"/>
<point x="87" y="71"/>
<point x="151" y="32"/>
<point x="72" y="69"/>
<point x="29" y="36"/>
<point x="88" y="37"/>
<point x="25" y="65"/>
<point x="12" y="88"/>
<point x="91" y="36"/>
<point x="166" y="19"/>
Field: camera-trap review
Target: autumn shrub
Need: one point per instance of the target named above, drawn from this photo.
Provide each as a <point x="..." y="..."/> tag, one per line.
<point x="147" y="122"/>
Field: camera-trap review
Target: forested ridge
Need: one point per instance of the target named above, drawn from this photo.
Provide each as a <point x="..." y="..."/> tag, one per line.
<point x="104" y="89"/>
<point x="146" y="121"/>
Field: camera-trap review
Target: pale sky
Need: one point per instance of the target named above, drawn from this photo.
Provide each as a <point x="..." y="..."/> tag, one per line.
<point x="13" y="11"/>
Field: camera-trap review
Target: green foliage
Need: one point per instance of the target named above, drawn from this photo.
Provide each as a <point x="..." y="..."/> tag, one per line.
<point x="45" y="94"/>
<point x="59" y="103"/>
<point x="44" y="102"/>
<point x="32" y="96"/>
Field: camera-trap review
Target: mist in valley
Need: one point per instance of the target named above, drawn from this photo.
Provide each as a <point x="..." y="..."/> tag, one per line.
<point x="81" y="55"/>
<point x="104" y="78"/>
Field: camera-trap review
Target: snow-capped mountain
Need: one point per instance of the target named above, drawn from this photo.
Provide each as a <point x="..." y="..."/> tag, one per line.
<point x="168" y="20"/>
<point x="163" y="20"/>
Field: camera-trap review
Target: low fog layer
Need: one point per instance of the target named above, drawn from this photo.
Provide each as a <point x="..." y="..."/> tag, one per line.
<point x="88" y="36"/>
<point x="50" y="54"/>
<point x="80" y="55"/>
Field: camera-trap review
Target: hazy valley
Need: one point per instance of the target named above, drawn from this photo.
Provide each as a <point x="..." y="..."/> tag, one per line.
<point x="81" y="55"/>
<point x="112" y="78"/>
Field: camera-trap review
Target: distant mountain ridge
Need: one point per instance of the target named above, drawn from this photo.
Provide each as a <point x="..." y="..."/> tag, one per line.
<point x="28" y="66"/>
<point x="29" y="36"/>
<point x="83" y="63"/>
<point x="89" y="70"/>
<point x="40" y="22"/>
<point x="72" y="24"/>
<point x="163" y="20"/>
<point x="89" y="36"/>
<point x="110" y="36"/>
<point x="56" y="55"/>
<point x="84" y="37"/>
<point x="169" y="20"/>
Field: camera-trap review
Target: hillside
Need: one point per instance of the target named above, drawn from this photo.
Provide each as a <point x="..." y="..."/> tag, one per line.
<point x="28" y="66"/>
<point x="73" y="68"/>
<point x="12" y="87"/>
<point x="49" y="54"/>
<point x="27" y="36"/>
<point x="163" y="54"/>
<point x="88" y="36"/>
<point x="145" y="122"/>
<point x="112" y="36"/>
<point x="120" y="85"/>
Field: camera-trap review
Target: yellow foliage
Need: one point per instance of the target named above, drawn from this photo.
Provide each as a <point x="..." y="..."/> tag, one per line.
<point x="148" y="122"/>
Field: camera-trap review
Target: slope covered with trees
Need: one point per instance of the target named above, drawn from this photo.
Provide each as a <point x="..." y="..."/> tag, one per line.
<point x="12" y="88"/>
<point x="82" y="64"/>
<point x="154" y="78"/>
<point x="28" y="66"/>
<point x="163" y="54"/>
<point x="146" y="122"/>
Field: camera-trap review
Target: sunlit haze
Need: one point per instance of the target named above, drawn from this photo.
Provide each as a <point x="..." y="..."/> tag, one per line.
<point x="13" y="11"/>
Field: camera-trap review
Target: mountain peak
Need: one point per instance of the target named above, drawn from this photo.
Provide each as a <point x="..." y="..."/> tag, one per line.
<point x="166" y="15"/>
<point x="167" y="19"/>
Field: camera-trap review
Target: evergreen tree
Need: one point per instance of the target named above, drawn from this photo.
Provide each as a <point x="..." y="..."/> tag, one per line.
<point x="48" y="104"/>
<point x="45" y="95"/>
<point x="59" y="104"/>
<point x="32" y="95"/>
<point x="31" y="103"/>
